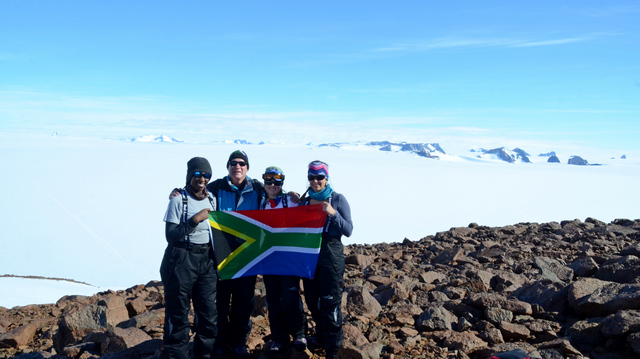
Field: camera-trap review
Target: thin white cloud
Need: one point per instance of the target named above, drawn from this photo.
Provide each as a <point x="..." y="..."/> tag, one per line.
<point x="564" y="41"/>
<point x="616" y="11"/>
<point x="445" y="43"/>
<point x="454" y="42"/>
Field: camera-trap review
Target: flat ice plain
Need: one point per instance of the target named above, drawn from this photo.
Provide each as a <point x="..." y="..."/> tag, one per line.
<point x="91" y="209"/>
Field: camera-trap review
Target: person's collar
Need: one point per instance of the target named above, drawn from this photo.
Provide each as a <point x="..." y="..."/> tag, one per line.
<point x="241" y="186"/>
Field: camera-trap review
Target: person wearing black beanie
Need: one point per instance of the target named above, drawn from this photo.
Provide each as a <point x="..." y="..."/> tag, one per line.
<point x="188" y="269"/>
<point x="197" y="164"/>
<point x="237" y="154"/>
<point x="235" y="192"/>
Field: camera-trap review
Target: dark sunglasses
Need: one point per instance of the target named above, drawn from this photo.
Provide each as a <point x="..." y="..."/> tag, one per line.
<point x="201" y="174"/>
<point x="316" y="177"/>
<point x="234" y="163"/>
<point x="272" y="182"/>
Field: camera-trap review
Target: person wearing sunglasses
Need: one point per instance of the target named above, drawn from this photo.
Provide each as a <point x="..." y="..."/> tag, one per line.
<point x="235" y="192"/>
<point x="323" y="293"/>
<point x="188" y="269"/>
<point x="284" y="303"/>
<point x="235" y="297"/>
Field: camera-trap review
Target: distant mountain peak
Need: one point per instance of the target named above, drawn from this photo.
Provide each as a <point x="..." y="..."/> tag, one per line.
<point x="548" y="154"/>
<point x="577" y="160"/>
<point x="153" y="138"/>
<point x="428" y="150"/>
<point x="503" y="154"/>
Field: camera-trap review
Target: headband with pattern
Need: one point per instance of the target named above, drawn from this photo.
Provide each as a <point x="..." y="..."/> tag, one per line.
<point x="318" y="168"/>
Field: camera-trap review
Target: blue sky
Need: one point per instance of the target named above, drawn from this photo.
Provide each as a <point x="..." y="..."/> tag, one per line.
<point x="565" y="71"/>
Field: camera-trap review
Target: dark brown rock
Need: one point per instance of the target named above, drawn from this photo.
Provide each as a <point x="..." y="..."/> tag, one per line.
<point x="119" y="339"/>
<point x="435" y="318"/>
<point x="136" y="306"/>
<point x="20" y="336"/>
<point x="361" y="303"/>
<point x="621" y="323"/>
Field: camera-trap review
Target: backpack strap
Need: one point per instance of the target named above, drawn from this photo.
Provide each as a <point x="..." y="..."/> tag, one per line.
<point x="329" y="218"/>
<point x="185" y="209"/>
<point x="259" y="189"/>
<point x="215" y="188"/>
<point x="212" y="201"/>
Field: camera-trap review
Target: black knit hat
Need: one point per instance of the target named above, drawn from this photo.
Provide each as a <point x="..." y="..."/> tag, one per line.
<point x="197" y="164"/>
<point x="238" y="154"/>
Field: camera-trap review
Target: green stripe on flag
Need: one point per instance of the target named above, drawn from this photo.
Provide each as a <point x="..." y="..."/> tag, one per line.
<point x="255" y="238"/>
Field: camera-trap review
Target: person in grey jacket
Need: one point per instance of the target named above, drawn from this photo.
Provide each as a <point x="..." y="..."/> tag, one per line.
<point x="323" y="293"/>
<point x="188" y="269"/>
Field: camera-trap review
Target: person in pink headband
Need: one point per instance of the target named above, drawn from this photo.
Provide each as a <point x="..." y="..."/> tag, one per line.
<point x="323" y="293"/>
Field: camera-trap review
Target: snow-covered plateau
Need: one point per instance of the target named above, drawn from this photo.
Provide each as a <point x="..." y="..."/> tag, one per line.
<point x="91" y="209"/>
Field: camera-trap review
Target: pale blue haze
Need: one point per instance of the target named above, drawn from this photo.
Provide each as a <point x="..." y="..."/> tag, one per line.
<point x="430" y="71"/>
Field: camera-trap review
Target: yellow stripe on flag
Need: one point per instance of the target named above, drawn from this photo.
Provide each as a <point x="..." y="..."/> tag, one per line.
<point x="247" y="241"/>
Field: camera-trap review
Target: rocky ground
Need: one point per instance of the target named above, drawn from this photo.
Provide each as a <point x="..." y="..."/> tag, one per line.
<point x="554" y="290"/>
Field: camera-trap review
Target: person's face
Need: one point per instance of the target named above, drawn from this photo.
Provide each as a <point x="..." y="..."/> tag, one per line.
<point x="199" y="181"/>
<point x="273" y="188"/>
<point x="237" y="170"/>
<point x="317" y="182"/>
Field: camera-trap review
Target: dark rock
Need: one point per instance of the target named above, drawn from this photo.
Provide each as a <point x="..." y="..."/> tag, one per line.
<point x="584" y="267"/>
<point x="360" y="260"/>
<point x="119" y="339"/>
<point x="553" y="270"/>
<point x="436" y="318"/>
<point x="621" y="270"/>
<point x="621" y="323"/>
<point x="361" y="303"/>
<point x="607" y="298"/>
<point x="19" y="337"/>
<point x="513" y="331"/>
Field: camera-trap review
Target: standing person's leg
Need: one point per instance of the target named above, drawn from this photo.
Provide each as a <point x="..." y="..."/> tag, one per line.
<point x="223" y="304"/>
<point x="311" y="298"/>
<point x="243" y="292"/>
<point x="273" y="286"/>
<point x="292" y="307"/>
<point x="204" y="305"/>
<point x="330" y="276"/>
<point x="177" y="278"/>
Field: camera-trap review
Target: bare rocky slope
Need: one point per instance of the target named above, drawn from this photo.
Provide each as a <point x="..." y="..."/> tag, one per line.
<point x="554" y="290"/>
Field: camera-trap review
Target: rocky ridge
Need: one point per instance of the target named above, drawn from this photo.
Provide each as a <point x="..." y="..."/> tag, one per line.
<point x="503" y="154"/>
<point x="555" y="290"/>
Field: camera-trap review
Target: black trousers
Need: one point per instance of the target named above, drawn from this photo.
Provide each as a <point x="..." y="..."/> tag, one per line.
<point x="323" y="295"/>
<point x="235" y="305"/>
<point x="286" y="315"/>
<point x="189" y="274"/>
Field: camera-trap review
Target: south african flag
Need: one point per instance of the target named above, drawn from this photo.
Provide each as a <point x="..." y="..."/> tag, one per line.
<point x="276" y="241"/>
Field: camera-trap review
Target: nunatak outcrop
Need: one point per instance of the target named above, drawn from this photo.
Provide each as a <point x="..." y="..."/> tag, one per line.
<point x="554" y="290"/>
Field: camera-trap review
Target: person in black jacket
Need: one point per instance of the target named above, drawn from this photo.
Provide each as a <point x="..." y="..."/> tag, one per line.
<point x="188" y="268"/>
<point x="323" y="293"/>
